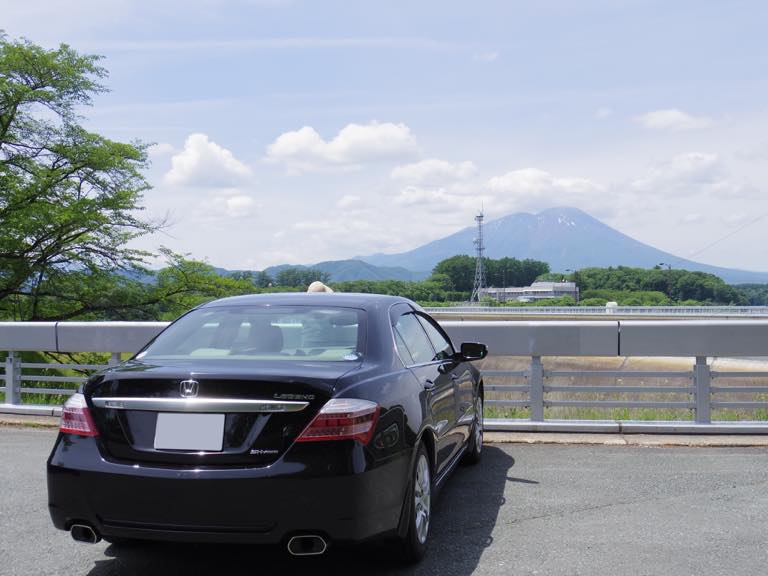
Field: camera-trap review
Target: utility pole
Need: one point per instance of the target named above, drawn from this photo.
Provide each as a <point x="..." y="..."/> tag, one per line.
<point x="479" y="269"/>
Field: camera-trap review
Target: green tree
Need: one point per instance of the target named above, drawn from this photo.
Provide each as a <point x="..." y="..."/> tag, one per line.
<point x="502" y="272"/>
<point x="300" y="276"/>
<point x="461" y="271"/>
<point x="68" y="197"/>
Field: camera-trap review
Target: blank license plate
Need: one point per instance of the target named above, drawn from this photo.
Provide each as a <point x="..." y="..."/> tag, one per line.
<point x="189" y="432"/>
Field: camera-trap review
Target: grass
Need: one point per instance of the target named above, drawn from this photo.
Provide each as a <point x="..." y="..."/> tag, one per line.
<point x="54" y="399"/>
<point x="620" y="364"/>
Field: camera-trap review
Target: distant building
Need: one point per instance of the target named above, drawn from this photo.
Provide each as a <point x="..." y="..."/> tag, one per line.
<point x="536" y="291"/>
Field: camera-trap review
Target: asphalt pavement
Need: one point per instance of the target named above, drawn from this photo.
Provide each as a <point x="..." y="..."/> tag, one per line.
<point x="526" y="509"/>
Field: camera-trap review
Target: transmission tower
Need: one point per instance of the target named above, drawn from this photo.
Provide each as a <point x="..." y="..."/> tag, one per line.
<point x="479" y="250"/>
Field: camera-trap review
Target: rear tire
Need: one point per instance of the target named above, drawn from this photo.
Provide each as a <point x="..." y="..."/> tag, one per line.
<point x="414" y="544"/>
<point x="475" y="448"/>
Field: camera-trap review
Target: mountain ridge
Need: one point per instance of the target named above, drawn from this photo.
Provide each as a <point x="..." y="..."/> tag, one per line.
<point x="565" y="237"/>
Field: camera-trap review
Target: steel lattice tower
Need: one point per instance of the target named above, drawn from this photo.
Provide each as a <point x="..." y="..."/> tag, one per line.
<point x="479" y="251"/>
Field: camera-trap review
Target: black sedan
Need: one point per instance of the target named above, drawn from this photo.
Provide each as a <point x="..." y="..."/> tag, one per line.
<point x="301" y="419"/>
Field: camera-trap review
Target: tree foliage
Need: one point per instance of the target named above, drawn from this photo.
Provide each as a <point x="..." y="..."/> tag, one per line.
<point x="68" y="197"/>
<point x="676" y="285"/>
<point x="460" y="271"/>
<point x="300" y="276"/>
<point x="756" y="294"/>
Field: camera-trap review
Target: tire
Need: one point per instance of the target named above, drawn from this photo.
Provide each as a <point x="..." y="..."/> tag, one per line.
<point x="414" y="544"/>
<point x="475" y="448"/>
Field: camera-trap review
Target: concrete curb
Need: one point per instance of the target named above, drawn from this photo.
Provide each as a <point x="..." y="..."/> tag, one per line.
<point x="564" y="438"/>
<point x="29" y="421"/>
<point x="647" y="440"/>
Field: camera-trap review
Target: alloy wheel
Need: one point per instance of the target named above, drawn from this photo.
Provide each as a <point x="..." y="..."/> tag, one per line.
<point x="421" y="496"/>
<point x="479" y="425"/>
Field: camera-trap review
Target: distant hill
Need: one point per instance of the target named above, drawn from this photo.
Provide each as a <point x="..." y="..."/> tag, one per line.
<point x="566" y="238"/>
<point x="345" y="270"/>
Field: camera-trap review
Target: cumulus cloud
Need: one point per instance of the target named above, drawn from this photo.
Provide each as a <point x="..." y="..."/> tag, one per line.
<point x="690" y="173"/>
<point x="235" y="206"/>
<point x="672" y="120"/>
<point x="434" y="172"/>
<point x="204" y="164"/>
<point x="533" y="189"/>
<point x="160" y="150"/>
<point x="353" y="146"/>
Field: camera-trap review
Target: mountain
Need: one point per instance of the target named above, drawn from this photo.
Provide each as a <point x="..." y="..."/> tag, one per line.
<point x="344" y="270"/>
<point x="566" y="238"/>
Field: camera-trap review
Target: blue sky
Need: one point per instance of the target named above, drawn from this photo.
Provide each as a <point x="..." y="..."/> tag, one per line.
<point x="300" y="131"/>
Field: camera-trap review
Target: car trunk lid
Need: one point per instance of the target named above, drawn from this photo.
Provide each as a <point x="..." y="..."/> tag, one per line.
<point x="222" y="414"/>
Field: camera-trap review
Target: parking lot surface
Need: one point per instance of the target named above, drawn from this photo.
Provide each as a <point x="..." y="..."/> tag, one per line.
<point x="526" y="509"/>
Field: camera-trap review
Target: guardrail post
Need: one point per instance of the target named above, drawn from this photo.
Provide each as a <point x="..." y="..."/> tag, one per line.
<point x="536" y="382"/>
<point x="114" y="359"/>
<point x="12" y="378"/>
<point x="702" y="381"/>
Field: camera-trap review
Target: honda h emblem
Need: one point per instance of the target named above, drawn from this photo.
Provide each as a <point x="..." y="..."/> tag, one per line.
<point x="188" y="388"/>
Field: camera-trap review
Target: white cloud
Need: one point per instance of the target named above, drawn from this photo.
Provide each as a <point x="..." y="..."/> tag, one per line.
<point x="486" y="56"/>
<point x="602" y="113"/>
<point x="672" y="120"/>
<point x="348" y="201"/>
<point x="416" y="195"/>
<point x="353" y="146"/>
<point x="534" y="189"/>
<point x="326" y="235"/>
<point x="160" y="150"/>
<point x="235" y="206"/>
<point x="690" y="173"/>
<point x="204" y="164"/>
<point x="434" y="171"/>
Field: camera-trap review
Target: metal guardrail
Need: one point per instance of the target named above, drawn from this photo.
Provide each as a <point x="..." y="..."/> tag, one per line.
<point x="642" y="311"/>
<point x="534" y="339"/>
<point x="113" y="338"/>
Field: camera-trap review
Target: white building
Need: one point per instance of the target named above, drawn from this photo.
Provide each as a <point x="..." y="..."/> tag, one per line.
<point x="536" y="291"/>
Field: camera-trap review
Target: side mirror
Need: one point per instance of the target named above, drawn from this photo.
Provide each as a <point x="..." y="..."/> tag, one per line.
<point x="473" y="351"/>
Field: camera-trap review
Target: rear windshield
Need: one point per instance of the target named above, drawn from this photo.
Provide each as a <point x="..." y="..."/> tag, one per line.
<point x="323" y="334"/>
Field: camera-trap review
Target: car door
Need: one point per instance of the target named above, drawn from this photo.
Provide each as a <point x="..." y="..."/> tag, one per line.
<point x="421" y="358"/>
<point x="460" y="375"/>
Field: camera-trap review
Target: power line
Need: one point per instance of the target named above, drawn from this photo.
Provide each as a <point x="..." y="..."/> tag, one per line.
<point x="731" y="233"/>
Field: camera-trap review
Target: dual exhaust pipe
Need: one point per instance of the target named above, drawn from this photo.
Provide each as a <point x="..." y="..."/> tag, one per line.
<point x="84" y="533"/>
<point x="307" y="545"/>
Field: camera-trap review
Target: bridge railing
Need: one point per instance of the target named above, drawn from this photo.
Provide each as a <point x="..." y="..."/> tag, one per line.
<point x="540" y="342"/>
<point x="640" y="311"/>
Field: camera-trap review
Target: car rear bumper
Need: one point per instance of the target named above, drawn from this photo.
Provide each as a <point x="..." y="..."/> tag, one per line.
<point x="342" y="502"/>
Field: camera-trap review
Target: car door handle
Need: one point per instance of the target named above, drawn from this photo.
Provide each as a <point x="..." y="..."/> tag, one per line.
<point x="454" y="376"/>
<point x="429" y="384"/>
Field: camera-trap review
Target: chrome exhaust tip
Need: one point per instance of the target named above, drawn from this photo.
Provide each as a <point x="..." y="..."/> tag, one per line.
<point x="84" y="533"/>
<point x="308" y="545"/>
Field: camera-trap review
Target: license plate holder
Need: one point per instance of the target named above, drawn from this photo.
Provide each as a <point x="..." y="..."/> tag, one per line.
<point x="198" y="432"/>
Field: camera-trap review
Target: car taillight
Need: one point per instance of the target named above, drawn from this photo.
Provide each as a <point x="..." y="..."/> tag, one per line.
<point x="76" y="418"/>
<point x="343" y="419"/>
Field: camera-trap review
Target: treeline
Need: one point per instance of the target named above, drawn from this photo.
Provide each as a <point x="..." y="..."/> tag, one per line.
<point x="460" y="272"/>
<point x="291" y="277"/>
<point x="655" y="286"/>
<point x="756" y="294"/>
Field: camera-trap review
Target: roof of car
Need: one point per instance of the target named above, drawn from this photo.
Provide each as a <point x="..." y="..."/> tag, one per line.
<point x="345" y="299"/>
